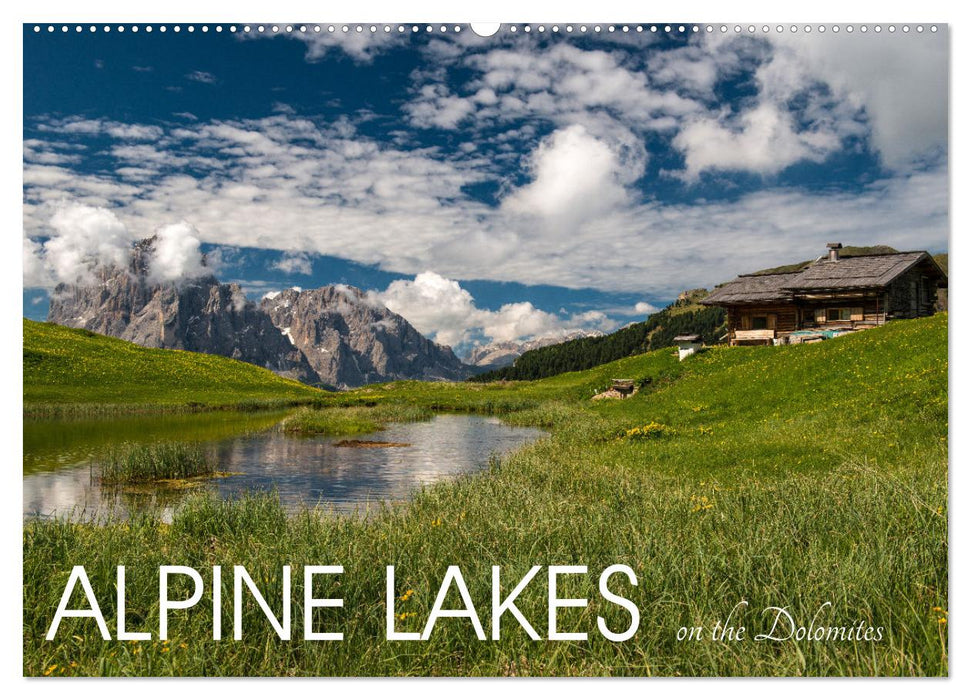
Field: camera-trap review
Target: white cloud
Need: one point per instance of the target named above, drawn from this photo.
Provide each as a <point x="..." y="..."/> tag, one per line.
<point x="901" y="81"/>
<point x="361" y="46"/>
<point x="294" y="263"/>
<point x="643" y="307"/>
<point x="562" y="84"/>
<point x="813" y="91"/>
<point x="117" y="130"/>
<point x="762" y="140"/>
<point x="441" y="309"/>
<point x="42" y="153"/>
<point x="438" y="307"/>
<point x="133" y="132"/>
<point x="36" y="273"/>
<point x="440" y="109"/>
<point x="575" y="177"/>
<point x="177" y="254"/>
<point x="201" y="76"/>
<point x="84" y="237"/>
<point x="891" y="88"/>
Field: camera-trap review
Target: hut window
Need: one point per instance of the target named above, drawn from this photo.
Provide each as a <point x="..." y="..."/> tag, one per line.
<point x="842" y="314"/>
<point x="760" y="323"/>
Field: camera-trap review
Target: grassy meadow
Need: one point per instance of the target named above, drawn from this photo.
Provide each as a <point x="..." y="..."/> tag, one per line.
<point x="68" y="371"/>
<point x="786" y="477"/>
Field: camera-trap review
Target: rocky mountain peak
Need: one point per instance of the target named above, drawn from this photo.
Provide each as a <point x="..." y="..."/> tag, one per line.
<point x="350" y="340"/>
<point x="335" y="335"/>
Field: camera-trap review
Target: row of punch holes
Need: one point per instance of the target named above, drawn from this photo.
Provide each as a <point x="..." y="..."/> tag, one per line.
<point x="512" y="28"/>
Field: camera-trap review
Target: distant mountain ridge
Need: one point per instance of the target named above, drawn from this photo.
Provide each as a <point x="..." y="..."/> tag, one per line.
<point x="331" y="336"/>
<point x="501" y="354"/>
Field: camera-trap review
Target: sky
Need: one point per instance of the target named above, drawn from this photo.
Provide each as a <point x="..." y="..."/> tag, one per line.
<point x="487" y="189"/>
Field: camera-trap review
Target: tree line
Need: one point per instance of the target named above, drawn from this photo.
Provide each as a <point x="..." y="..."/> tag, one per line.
<point x="658" y="331"/>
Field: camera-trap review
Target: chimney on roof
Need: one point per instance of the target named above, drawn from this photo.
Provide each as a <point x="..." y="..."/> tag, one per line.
<point x="834" y="251"/>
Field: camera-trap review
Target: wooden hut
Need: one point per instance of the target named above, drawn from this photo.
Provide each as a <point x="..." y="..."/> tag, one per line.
<point x="829" y="295"/>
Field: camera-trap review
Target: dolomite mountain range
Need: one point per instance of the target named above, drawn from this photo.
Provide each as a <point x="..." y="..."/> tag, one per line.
<point x="335" y="336"/>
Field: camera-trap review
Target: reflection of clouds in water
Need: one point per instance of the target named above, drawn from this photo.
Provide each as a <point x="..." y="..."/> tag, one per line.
<point x="310" y="471"/>
<point x="71" y="492"/>
<point x="58" y="492"/>
<point x="306" y="471"/>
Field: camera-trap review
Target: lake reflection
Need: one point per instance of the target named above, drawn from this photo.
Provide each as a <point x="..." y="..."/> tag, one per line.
<point x="304" y="471"/>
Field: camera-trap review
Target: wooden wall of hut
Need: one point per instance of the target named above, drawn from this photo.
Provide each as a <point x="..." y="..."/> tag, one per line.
<point x="911" y="295"/>
<point x="780" y="318"/>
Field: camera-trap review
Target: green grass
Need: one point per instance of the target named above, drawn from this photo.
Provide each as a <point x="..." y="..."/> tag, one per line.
<point x="130" y="463"/>
<point x="75" y="372"/>
<point x="786" y="476"/>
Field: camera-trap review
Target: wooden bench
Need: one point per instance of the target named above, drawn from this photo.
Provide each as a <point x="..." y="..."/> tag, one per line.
<point x="763" y="336"/>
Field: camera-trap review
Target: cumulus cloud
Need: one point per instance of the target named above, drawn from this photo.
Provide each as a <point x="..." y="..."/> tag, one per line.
<point x="643" y="307"/>
<point x="436" y="107"/>
<point x="177" y="254"/>
<point x="294" y="263"/>
<point x="834" y="85"/>
<point x="575" y="177"/>
<point x="441" y="309"/>
<point x="514" y="77"/>
<point x="792" y="118"/>
<point x="762" y="140"/>
<point x="84" y="237"/>
<point x="36" y="273"/>
<point x="438" y="307"/>
<point x="901" y="82"/>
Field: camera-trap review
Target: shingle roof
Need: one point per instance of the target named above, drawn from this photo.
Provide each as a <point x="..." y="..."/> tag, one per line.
<point x="859" y="272"/>
<point x="865" y="271"/>
<point x="748" y="289"/>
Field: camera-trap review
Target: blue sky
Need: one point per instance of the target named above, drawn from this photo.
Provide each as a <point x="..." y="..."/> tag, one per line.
<point x="486" y="189"/>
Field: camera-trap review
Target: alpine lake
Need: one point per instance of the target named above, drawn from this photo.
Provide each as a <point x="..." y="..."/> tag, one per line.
<point x="61" y="458"/>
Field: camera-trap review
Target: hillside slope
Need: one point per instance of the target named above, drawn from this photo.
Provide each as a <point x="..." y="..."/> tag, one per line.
<point x="683" y="316"/>
<point x="71" y="366"/>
